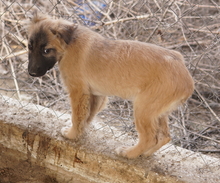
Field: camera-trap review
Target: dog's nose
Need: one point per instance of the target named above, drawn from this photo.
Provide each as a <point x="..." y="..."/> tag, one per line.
<point x="33" y="74"/>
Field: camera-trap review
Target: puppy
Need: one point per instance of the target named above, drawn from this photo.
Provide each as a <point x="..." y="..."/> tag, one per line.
<point x="93" y="67"/>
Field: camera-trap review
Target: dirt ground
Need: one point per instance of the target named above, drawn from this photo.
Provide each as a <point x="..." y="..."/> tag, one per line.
<point x="14" y="169"/>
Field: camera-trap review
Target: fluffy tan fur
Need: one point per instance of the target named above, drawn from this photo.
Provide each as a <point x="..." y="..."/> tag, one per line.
<point x="93" y="67"/>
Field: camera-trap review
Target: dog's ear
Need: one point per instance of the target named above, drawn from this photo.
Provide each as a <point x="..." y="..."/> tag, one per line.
<point x="64" y="32"/>
<point x="34" y="19"/>
<point x="37" y="17"/>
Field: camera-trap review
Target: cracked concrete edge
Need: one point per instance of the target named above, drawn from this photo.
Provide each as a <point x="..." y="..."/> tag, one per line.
<point x="33" y="130"/>
<point x="68" y="162"/>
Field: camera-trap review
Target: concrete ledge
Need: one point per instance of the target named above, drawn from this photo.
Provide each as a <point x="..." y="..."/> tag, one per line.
<point x="32" y="133"/>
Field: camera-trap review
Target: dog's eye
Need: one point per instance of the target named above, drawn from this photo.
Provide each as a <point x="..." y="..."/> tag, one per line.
<point x="30" y="47"/>
<point x="46" y="51"/>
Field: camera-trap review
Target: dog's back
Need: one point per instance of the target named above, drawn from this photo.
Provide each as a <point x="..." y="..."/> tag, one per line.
<point x="130" y="67"/>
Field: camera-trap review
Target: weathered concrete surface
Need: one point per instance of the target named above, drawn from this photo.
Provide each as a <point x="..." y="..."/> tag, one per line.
<point x="31" y="134"/>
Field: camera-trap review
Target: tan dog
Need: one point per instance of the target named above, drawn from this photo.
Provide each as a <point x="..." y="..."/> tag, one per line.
<point x="93" y="67"/>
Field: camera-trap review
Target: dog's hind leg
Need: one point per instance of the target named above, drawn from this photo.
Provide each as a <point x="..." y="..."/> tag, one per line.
<point x="147" y="113"/>
<point x="147" y="139"/>
<point x="163" y="135"/>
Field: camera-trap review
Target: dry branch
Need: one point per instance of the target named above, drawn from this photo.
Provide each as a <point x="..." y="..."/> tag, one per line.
<point x="127" y="19"/>
<point x="8" y="56"/>
<point x="198" y="5"/>
<point x="205" y="31"/>
<point x="207" y="105"/>
<point x="203" y="136"/>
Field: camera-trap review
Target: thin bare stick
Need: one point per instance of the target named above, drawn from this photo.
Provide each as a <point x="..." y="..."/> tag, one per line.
<point x="157" y="4"/>
<point x="8" y="56"/>
<point x="205" y="31"/>
<point x="105" y="14"/>
<point x="197" y="5"/>
<point x="208" y="150"/>
<point x="163" y="16"/>
<point x="127" y="19"/>
<point x="208" y="86"/>
<point x="183" y="33"/>
<point x="15" y="79"/>
<point x="182" y="119"/>
<point x="205" y="137"/>
<point x="207" y="105"/>
<point x="11" y="66"/>
<point x="207" y="74"/>
<point x="191" y="43"/>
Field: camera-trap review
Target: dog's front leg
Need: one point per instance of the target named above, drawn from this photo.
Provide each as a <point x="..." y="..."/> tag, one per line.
<point x="80" y="104"/>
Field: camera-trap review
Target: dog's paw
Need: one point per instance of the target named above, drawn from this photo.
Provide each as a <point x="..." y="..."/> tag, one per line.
<point x="123" y="151"/>
<point x="68" y="133"/>
<point x="148" y="153"/>
<point x="127" y="152"/>
<point x="64" y="132"/>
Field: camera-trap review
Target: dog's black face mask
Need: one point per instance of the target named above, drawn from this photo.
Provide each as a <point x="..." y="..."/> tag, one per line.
<point x="41" y="57"/>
